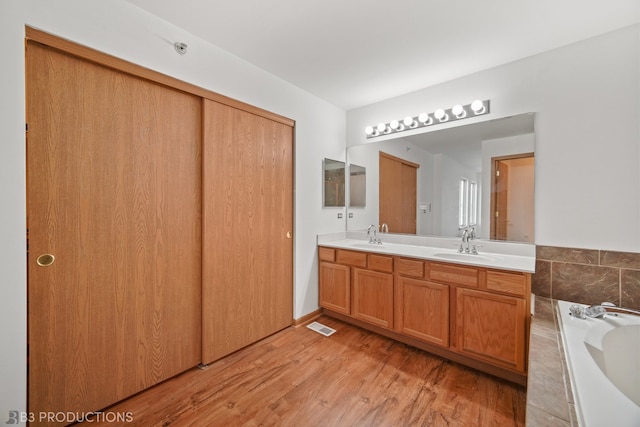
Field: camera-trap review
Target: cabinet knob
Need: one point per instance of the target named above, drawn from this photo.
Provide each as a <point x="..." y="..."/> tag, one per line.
<point x="288" y="234"/>
<point x="45" y="260"/>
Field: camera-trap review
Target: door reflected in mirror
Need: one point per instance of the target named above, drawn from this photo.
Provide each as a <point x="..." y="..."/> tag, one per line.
<point x="397" y="187"/>
<point x="442" y="159"/>
<point x="512" y="198"/>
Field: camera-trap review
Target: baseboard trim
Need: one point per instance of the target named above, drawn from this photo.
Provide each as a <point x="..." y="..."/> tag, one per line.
<point x="307" y="318"/>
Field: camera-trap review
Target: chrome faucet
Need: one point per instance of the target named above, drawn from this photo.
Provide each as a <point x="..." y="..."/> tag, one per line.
<point x="468" y="234"/>
<point x="464" y="246"/>
<point x="599" y="310"/>
<point x="373" y="236"/>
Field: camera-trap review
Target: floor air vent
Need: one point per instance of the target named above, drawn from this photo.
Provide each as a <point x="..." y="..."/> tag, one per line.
<point x="321" y="329"/>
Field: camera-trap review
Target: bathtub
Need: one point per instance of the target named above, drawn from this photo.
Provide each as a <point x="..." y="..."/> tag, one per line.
<point x="603" y="357"/>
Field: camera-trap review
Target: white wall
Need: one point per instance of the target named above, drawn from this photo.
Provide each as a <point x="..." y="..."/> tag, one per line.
<point x="13" y="290"/>
<point x="120" y="29"/>
<point x="587" y="100"/>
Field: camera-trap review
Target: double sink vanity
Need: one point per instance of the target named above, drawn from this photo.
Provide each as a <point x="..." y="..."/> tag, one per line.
<point x="474" y="309"/>
<point x="465" y="300"/>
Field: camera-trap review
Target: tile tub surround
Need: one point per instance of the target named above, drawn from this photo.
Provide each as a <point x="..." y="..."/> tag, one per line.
<point x="587" y="276"/>
<point x="549" y="397"/>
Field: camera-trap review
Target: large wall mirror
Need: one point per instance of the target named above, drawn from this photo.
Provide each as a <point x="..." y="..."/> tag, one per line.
<point x="439" y="182"/>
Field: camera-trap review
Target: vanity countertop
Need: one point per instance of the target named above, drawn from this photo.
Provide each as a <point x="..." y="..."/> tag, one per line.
<point x="443" y="251"/>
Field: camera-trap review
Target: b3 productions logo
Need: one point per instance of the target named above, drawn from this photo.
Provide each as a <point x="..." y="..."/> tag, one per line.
<point x="20" y="417"/>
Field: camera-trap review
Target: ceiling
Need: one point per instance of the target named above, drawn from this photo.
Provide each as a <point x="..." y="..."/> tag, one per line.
<point x="355" y="52"/>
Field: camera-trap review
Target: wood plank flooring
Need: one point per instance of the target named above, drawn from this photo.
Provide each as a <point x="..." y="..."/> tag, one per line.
<point x="298" y="377"/>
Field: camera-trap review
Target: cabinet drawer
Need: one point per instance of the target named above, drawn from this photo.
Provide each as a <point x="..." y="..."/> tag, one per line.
<point x="327" y="254"/>
<point x="381" y="263"/>
<point x="509" y="283"/>
<point x="454" y="274"/>
<point x="358" y="259"/>
<point x="410" y="267"/>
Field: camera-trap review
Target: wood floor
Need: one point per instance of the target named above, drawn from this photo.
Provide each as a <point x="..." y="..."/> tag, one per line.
<point x="298" y="377"/>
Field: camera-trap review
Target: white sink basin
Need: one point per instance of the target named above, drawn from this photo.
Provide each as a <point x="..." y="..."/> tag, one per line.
<point x="464" y="257"/>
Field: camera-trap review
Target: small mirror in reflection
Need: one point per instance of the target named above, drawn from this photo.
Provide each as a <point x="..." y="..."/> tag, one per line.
<point x="334" y="183"/>
<point x="357" y="186"/>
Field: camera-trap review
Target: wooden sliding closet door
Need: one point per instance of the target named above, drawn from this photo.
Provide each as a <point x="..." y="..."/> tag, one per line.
<point x="114" y="193"/>
<point x="247" y="229"/>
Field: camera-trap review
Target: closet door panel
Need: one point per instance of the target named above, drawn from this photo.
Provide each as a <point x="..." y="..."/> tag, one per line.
<point x="247" y="229"/>
<point x="114" y="193"/>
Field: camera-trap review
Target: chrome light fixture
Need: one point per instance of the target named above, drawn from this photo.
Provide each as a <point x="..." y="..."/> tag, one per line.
<point x="441" y="115"/>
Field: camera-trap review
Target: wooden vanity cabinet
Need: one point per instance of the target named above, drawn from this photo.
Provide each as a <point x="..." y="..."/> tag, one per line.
<point x="491" y="323"/>
<point x="373" y="297"/>
<point x="335" y="279"/>
<point x="335" y="292"/>
<point x="423" y="310"/>
<point x="491" y="327"/>
<point x="421" y="306"/>
<point x="357" y="284"/>
<point x="473" y="315"/>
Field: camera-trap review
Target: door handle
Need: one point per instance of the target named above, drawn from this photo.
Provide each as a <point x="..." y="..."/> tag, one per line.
<point x="45" y="260"/>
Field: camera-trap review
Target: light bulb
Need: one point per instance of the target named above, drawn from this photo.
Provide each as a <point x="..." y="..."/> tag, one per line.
<point x="477" y="106"/>
<point x="394" y="124"/>
<point x="441" y="115"/>
<point x="369" y="130"/>
<point x="409" y="122"/>
<point x="458" y="111"/>
<point x="381" y="127"/>
<point x="424" y="118"/>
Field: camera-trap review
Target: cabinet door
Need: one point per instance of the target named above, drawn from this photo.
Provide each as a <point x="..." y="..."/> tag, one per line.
<point x="491" y="327"/>
<point x="335" y="284"/>
<point x="247" y="289"/>
<point x="423" y="310"/>
<point x="373" y="297"/>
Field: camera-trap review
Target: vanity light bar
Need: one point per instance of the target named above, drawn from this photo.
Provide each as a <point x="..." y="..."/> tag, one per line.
<point x="457" y="112"/>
